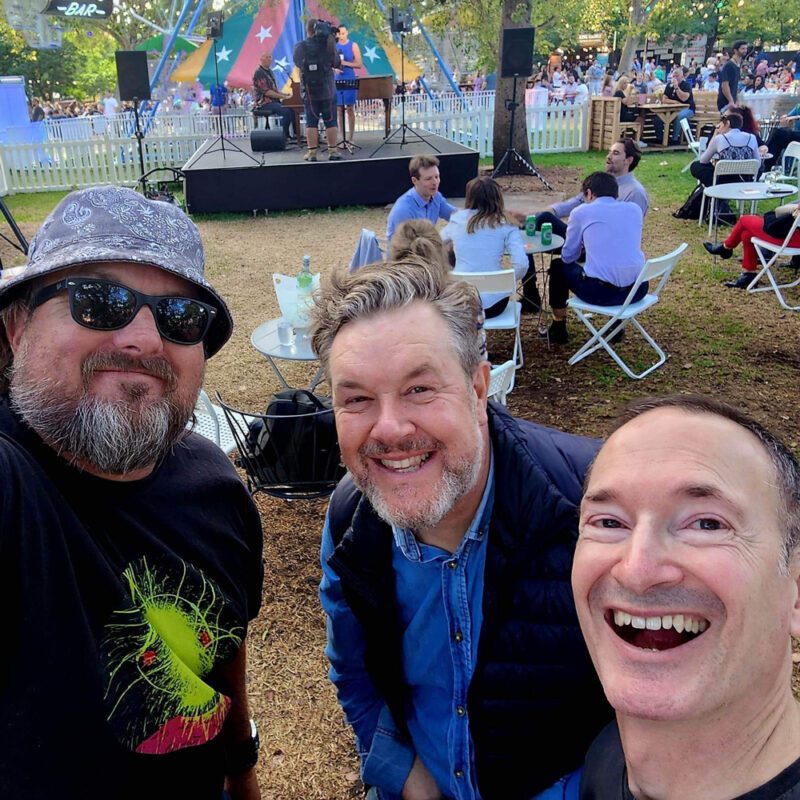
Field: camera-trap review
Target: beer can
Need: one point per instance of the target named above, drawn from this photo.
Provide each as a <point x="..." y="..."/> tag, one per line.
<point x="547" y="233"/>
<point x="530" y="225"/>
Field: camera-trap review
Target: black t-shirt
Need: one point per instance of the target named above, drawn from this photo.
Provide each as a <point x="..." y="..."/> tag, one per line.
<point x="316" y="60"/>
<point x="730" y="72"/>
<point x="121" y="601"/>
<point x="684" y="87"/>
<point x="625" y="114"/>
<point x="605" y="777"/>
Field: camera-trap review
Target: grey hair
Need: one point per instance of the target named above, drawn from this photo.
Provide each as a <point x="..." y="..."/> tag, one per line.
<point x="784" y="464"/>
<point x="347" y="297"/>
<point x="20" y="305"/>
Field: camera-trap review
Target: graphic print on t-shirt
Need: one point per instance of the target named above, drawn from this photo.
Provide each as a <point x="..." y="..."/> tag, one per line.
<point x="156" y="654"/>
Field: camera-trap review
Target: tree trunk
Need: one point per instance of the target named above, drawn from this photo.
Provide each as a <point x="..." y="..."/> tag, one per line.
<point x="516" y="14"/>
<point x="628" y="52"/>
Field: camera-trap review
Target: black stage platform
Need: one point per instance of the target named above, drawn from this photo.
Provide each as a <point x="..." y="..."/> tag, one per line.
<point x="281" y="181"/>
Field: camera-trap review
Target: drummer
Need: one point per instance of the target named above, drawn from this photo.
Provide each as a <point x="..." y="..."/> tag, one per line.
<point x="350" y="53"/>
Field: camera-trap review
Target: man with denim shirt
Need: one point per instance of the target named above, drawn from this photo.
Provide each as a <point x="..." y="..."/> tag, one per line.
<point x="446" y="553"/>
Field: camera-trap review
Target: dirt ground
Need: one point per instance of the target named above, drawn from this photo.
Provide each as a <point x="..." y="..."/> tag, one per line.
<point x="737" y="347"/>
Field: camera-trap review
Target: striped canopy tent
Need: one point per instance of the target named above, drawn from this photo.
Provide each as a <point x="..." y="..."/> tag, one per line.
<point x="278" y="26"/>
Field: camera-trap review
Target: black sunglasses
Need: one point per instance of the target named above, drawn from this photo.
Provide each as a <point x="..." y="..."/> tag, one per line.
<point x="108" y="306"/>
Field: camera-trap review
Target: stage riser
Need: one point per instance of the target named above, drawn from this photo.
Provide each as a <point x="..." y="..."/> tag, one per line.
<point x="285" y="182"/>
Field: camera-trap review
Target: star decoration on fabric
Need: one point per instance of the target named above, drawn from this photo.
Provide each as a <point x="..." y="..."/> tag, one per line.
<point x="282" y="63"/>
<point x="264" y="33"/>
<point x="223" y="55"/>
<point x="371" y="53"/>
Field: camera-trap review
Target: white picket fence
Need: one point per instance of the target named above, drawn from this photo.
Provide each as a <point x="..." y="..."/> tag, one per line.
<point x="96" y="150"/>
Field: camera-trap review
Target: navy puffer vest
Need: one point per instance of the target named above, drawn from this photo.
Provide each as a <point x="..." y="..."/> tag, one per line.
<point x="535" y="703"/>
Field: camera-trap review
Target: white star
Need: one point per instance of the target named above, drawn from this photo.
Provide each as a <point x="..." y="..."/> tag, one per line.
<point x="264" y="33"/>
<point x="282" y="63"/>
<point x="371" y="54"/>
<point x="223" y="54"/>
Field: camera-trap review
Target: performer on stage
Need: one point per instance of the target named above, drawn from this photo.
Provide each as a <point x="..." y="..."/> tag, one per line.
<point x="267" y="100"/>
<point x="350" y="54"/>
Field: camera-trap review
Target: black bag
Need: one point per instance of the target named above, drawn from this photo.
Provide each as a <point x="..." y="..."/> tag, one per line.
<point x="691" y="207"/>
<point x="777" y="226"/>
<point x="315" y="66"/>
<point x="295" y="442"/>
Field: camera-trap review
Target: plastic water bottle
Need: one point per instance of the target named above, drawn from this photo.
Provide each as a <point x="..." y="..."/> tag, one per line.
<point x="304" y="299"/>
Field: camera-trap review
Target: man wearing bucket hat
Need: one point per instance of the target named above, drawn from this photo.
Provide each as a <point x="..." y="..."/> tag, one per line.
<point x="130" y="552"/>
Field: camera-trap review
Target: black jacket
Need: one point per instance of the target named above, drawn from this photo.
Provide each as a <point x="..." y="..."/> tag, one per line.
<point x="535" y="703"/>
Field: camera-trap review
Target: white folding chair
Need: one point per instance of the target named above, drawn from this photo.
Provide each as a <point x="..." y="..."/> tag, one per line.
<point x="790" y="163"/>
<point x="501" y="381"/>
<point x="209" y="421"/>
<point x="763" y="248"/>
<point x="369" y="250"/>
<point x="747" y="169"/>
<point x="619" y="316"/>
<point x="500" y="281"/>
<point x="691" y="142"/>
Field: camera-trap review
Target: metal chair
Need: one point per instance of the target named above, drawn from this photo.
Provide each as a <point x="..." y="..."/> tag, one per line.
<point x="500" y="281"/>
<point x="790" y="163"/>
<point x="783" y="249"/>
<point x="746" y="169"/>
<point x="290" y="456"/>
<point x="209" y="421"/>
<point x="619" y="316"/>
<point x="501" y="381"/>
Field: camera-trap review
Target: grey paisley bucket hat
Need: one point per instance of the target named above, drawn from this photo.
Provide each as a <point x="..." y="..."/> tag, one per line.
<point x="111" y="223"/>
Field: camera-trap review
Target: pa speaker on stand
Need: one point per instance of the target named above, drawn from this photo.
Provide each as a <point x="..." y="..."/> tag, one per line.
<point x="516" y="61"/>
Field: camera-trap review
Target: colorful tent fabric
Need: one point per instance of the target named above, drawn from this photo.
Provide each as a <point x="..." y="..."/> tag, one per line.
<point x="155" y="44"/>
<point x="278" y="26"/>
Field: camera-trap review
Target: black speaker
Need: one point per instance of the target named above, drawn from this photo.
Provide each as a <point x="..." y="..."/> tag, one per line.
<point x="132" y="75"/>
<point x="214" y="25"/>
<point x="262" y="141"/>
<point x="517" y="52"/>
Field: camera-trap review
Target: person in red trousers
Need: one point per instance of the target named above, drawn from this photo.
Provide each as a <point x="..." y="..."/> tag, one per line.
<point x="744" y="230"/>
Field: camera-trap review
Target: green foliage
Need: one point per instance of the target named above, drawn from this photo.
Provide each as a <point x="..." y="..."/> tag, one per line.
<point x="82" y="67"/>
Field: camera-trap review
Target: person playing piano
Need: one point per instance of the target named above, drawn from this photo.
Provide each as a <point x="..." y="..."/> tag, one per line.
<point x="267" y="100"/>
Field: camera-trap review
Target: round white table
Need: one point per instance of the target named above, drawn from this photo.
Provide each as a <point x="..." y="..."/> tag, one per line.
<point x="745" y="192"/>
<point x="265" y="339"/>
<point x="533" y="246"/>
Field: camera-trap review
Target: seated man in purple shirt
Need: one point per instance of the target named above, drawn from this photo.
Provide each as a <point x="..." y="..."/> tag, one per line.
<point x="610" y="234"/>
<point x="423" y="200"/>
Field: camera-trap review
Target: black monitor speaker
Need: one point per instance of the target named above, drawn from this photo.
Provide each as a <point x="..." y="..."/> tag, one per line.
<point x="132" y="75"/>
<point x="214" y="25"/>
<point x="517" y="52"/>
<point x="268" y="141"/>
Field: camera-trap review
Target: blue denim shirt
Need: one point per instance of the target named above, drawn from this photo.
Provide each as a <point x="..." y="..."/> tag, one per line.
<point x="439" y="597"/>
<point x="411" y="206"/>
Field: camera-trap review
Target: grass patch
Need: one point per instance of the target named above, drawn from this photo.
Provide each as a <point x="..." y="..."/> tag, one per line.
<point x="33" y="207"/>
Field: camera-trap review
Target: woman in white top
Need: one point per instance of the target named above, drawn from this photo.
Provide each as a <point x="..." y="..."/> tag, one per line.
<point x="481" y="234"/>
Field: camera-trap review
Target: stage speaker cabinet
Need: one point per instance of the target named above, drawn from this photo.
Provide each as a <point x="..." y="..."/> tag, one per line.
<point x="517" y="52"/>
<point x="132" y="75"/>
<point x="267" y="141"/>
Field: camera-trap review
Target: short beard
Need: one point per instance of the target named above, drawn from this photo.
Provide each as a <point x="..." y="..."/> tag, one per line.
<point x="457" y="480"/>
<point x="111" y="437"/>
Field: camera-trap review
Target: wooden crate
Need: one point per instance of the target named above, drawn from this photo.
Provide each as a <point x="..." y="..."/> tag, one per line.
<point x="605" y="127"/>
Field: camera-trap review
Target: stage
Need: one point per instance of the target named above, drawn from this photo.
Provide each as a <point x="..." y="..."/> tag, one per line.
<point x="282" y="180"/>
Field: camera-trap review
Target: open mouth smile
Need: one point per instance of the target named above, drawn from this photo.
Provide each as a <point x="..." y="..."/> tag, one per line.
<point x="657" y="632"/>
<point x="404" y="465"/>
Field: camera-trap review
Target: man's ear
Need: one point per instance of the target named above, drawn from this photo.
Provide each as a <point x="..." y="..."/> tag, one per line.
<point x="15" y="324"/>
<point x="480" y="383"/>
<point x="794" y="573"/>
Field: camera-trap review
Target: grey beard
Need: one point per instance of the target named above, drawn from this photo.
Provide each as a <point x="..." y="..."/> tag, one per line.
<point x="457" y="480"/>
<point x="112" y="437"/>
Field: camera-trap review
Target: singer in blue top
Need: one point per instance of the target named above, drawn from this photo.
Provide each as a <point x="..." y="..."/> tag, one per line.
<point x="350" y="53"/>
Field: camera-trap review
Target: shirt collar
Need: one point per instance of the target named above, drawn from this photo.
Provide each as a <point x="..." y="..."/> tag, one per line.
<point x="409" y="546"/>
<point x="419" y="199"/>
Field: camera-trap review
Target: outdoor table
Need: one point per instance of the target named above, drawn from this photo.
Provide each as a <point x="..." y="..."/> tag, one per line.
<point x="265" y="340"/>
<point x="666" y="112"/>
<point x="747" y="191"/>
<point x="533" y="247"/>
